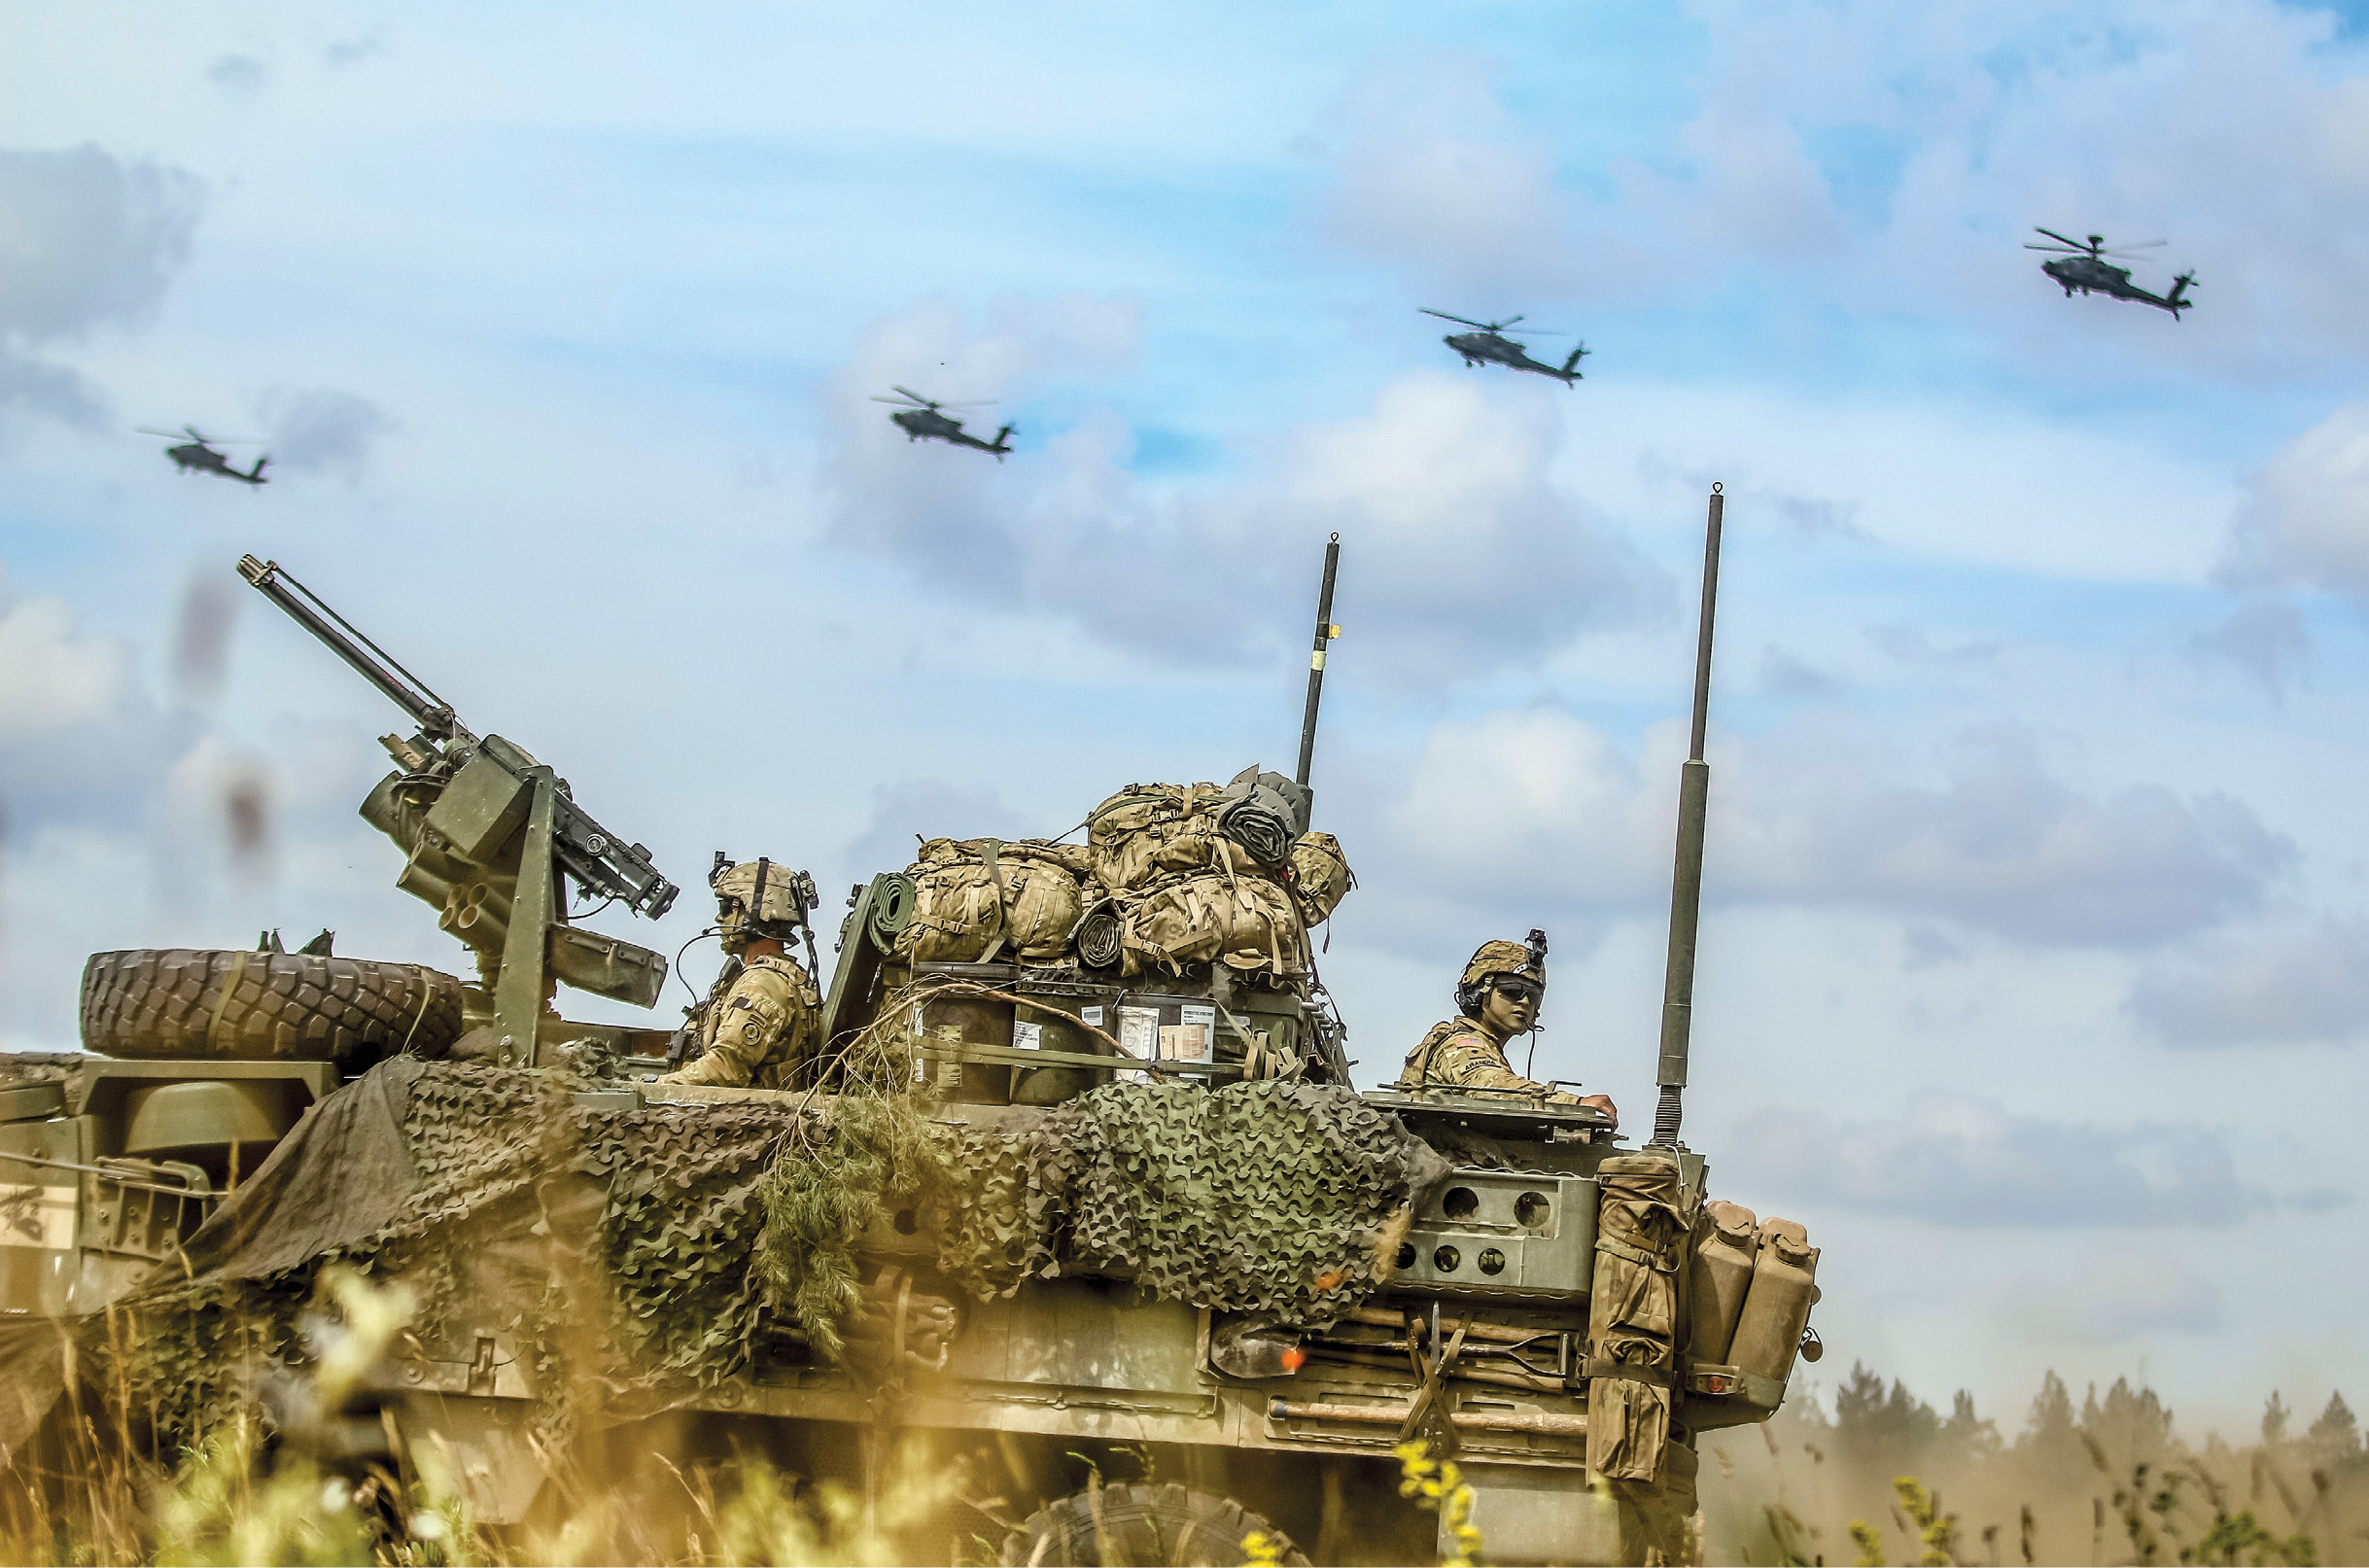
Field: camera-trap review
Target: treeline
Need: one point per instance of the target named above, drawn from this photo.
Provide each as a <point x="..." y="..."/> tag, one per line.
<point x="1888" y="1477"/>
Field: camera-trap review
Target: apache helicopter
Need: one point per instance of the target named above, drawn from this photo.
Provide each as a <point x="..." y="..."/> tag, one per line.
<point x="2085" y="268"/>
<point x="919" y="418"/>
<point x="1487" y="344"/>
<point x="198" y="453"/>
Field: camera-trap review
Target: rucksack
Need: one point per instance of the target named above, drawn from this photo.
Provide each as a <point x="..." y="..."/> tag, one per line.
<point x="1320" y="876"/>
<point x="976" y="900"/>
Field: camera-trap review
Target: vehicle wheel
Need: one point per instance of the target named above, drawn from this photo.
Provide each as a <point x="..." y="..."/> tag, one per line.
<point x="181" y="1004"/>
<point x="1140" y="1526"/>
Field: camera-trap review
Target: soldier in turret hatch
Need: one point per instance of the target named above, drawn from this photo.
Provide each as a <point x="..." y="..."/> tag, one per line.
<point x="768" y="1021"/>
<point x="1498" y="997"/>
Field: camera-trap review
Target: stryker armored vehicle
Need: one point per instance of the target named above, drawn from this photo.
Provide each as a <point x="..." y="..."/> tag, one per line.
<point x="1096" y="1226"/>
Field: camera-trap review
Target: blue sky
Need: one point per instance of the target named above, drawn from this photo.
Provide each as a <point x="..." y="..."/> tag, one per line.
<point x="2036" y="965"/>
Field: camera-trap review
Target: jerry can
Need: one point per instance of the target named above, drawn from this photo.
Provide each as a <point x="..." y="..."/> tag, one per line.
<point x="1726" y="1241"/>
<point x="1777" y="1306"/>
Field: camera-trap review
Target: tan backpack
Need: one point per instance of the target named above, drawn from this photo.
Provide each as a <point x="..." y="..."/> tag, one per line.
<point x="1246" y="923"/>
<point x="1320" y="876"/>
<point x="1148" y="831"/>
<point x="977" y="900"/>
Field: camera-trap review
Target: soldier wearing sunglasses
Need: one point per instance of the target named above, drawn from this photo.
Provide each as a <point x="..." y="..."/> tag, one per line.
<point x="1498" y="999"/>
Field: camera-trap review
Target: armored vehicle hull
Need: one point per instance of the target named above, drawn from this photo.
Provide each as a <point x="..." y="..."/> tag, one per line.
<point x="1179" y="1414"/>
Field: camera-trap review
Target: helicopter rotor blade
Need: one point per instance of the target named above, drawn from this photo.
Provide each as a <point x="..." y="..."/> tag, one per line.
<point x="2060" y="250"/>
<point x="914" y="396"/>
<point x="2053" y="234"/>
<point x="185" y="433"/>
<point x="1458" y="320"/>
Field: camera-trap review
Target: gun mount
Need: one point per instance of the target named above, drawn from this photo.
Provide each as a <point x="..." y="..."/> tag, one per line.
<point x="492" y="838"/>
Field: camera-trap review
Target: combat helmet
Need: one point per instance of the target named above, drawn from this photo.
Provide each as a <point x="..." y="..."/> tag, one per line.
<point x="757" y="898"/>
<point x="1493" y="959"/>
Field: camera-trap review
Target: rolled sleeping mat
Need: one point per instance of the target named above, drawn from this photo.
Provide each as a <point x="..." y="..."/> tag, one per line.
<point x="1100" y="936"/>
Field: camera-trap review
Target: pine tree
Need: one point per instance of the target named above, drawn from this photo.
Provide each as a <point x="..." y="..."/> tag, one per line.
<point x="1875" y="1423"/>
<point x="2128" y="1420"/>
<point x="2050" y="1423"/>
<point x="1966" y="1435"/>
<point x="2336" y="1434"/>
<point x="2275" y="1416"/>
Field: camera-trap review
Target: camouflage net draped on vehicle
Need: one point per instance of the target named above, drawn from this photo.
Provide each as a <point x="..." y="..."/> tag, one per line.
<point x="611" y="1244"/>
<point x="633" y="1257"/>
<point x="1269" y="1198"/>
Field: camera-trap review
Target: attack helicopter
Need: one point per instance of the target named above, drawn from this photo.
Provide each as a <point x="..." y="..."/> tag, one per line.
<point x="1489" y="343"/>
<point x="920" y="419"/>
<point x="2084" y="266"/>
<point x="200" y="453"/>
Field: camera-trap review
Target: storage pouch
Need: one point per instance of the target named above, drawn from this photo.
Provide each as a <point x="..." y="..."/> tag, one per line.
<point x="1632" y="1316"/>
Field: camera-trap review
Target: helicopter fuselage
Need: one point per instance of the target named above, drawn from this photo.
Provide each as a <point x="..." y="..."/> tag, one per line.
<point x="2090" y="275"/>
<point x="929" y="425"/>
<point x="1490" y="347"/>
<point x="198" y="457"/>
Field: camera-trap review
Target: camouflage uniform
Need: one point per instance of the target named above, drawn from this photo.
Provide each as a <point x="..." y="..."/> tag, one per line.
<point x="759" y="1034"/>
<point x="768" y="1022"/>
<point x="1461" y="1051"/>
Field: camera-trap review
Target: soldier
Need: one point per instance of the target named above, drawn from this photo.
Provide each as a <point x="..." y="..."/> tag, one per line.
<point x="766" y="1024"/>
<point x="1499" y="995"/>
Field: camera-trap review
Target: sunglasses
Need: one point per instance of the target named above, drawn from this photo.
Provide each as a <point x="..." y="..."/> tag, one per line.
<point x="1516" y="989"/>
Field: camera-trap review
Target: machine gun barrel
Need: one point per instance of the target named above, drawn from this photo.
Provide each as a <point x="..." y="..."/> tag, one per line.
<point x="1686" y="877"/>
<point x="309" y="609"/>
<point x="603" y="864"/>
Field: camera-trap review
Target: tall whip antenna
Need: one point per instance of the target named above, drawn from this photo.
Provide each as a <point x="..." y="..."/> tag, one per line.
<point x="1326" y="631"/>
<point x="1686" y="879"/>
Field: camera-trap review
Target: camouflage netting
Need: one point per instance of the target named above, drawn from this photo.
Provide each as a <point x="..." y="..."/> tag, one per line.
<point x="635" y="1256"/>
<point x="1270" y="1198"/>
<point x="610" y="1243"/>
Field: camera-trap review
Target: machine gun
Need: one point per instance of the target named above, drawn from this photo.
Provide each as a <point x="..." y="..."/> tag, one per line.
<point x="492" y="838"/>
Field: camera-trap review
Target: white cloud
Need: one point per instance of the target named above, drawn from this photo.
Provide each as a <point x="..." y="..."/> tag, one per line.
<point x="1462" y="553"/>
<point x="1894" y="158"/>
<point x="241" y="75"/>
<point x="86" y="240"/>
<point x="2306" y="519"/>
<point x="51" y="677"/>
<point x="323" y="429"/>
<point x="2295" y="982"/>
<point x="1430" y="171"/>
<point x="1964" y="1163"/>
<point x="2265" y="639"/>
<point x="79" y="743"/>
<point x="1810" y="815"/>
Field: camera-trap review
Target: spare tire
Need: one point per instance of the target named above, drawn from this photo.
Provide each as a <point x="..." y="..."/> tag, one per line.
<point x="183" y="1004"/>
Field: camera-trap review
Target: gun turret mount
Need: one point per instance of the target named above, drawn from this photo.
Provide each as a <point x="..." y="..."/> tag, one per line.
<point x="492" y="838"/>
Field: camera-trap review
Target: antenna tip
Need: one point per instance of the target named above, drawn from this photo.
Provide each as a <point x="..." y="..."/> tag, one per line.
<point x="1336" y="538"/>
<point x="1718" y="488"/>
